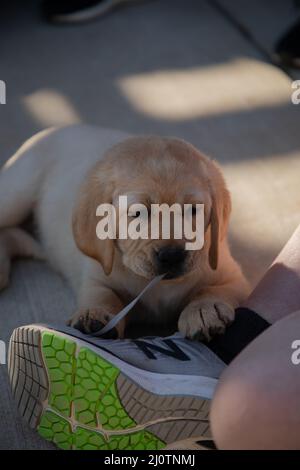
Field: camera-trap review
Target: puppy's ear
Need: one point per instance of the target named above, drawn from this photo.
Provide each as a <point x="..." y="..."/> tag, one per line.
<point x="93" y="193"/>
<point x="219" y="217"/>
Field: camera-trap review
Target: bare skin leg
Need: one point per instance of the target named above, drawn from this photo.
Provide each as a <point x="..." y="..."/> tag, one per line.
<point x="278" y="293"/>
<point x="256" y="404"/>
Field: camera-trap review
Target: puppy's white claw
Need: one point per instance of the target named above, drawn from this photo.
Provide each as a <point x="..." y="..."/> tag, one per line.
<point x="205" y="317"/>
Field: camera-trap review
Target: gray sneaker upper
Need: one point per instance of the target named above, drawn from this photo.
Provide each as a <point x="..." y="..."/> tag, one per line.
<point x="170" y="355"/>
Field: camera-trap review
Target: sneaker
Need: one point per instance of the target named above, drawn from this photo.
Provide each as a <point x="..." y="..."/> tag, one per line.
<point x="77" y="11"/>
<point x="82" y="392"/>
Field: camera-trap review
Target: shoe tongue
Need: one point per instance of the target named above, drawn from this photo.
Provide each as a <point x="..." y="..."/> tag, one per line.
<point x="115" y="320"/>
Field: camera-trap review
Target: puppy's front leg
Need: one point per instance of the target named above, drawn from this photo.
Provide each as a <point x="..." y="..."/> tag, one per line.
<point x="210" y="312"/>
<point x="97" y="306"/>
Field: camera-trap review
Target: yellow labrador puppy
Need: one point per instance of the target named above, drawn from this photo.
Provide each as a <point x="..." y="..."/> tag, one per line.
<point x="63" y="175"/>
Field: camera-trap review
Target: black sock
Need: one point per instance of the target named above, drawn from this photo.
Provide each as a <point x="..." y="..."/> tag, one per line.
<point x="246" y="326"/>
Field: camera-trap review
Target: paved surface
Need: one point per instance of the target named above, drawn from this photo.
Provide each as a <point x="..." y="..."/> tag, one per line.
<point x="167" y="67"/>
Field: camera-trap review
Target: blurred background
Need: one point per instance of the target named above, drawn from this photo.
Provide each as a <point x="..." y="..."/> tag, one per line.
<point x="202" y="70"/>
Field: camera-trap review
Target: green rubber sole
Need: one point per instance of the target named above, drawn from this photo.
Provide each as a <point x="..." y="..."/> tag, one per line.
<point x="77" y="399"/>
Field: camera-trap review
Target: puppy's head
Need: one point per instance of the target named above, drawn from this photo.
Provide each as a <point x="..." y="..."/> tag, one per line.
<point x="152" y="170"/>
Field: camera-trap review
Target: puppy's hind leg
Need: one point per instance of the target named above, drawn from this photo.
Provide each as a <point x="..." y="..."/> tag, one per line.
<point x="20" y="182"/>
<point x="15" y="242"/>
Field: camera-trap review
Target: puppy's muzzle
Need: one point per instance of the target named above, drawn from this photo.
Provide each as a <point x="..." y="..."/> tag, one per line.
<point x="170" y="260"/>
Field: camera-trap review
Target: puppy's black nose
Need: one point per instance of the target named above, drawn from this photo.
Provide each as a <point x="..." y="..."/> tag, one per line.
<point x="170" y="257"/>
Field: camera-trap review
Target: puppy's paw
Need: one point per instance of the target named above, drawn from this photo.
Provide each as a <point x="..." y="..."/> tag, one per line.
<point x="91" y="320"/>
<point x="205" y="317"/>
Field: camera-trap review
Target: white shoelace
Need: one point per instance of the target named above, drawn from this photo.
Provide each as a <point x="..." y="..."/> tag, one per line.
<point x="115" y="320"/>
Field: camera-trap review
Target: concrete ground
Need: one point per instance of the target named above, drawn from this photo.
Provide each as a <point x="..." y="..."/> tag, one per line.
<point x="199" y="70"/>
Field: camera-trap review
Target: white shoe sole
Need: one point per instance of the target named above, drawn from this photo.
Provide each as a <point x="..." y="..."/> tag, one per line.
<point x="82" y="397"/>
